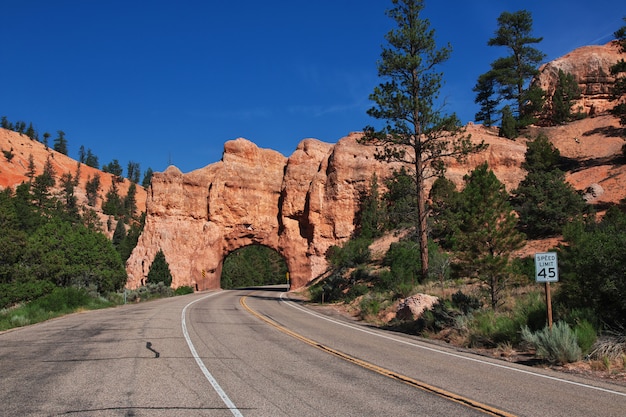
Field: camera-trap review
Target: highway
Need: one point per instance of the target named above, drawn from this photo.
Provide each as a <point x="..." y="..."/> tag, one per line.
<point x="258" y="352"/>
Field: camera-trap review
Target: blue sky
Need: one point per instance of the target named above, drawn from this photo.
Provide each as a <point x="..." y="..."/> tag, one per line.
<point x="159" y="82"/>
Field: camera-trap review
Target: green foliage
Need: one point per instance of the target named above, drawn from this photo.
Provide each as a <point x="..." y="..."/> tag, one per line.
<point x="354" y="252"/>
<point x="586" y="336"/>
<point x="544" y="201"/>
<point x="114" y="168"/>
<point x="159" y="270"/>
<point x="74" y="255"/>
<point x="184" y="290"/>
<point x="403" y="260"/>
<point x="400" y="200"/>
<point x="371" y="216"/>
<point x="60" y="143"/>
<point x="445" y="204"/>
<point x="406" y="101"/>
<point x="56" y="302"/>
<point x="489" y="329"/>
<point x="486" y="232"/>
<point x="513" y="72"/>
<point x="619" y="71"/>
<point x="252" y="266"/>
<point x="593" y="268"/>
<point x="566" y="91"/>
<point x="91" y="189"/>
<point x="556" y="345"/>
<point x="147" y="178"/>
<point x="508" y="129"/>
<point x="113" y="204"/>
<point x="485" y="90"/>
<point x="541" y="155"/>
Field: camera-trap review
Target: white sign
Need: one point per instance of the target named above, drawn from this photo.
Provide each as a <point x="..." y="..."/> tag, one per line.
<point x="546" y="267"/>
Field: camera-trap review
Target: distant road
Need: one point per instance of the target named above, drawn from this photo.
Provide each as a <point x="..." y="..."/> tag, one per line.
<point x="256" y="353"/>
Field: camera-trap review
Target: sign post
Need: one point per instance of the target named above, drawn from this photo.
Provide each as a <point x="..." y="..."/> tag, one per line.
<point x="547" y="271"/>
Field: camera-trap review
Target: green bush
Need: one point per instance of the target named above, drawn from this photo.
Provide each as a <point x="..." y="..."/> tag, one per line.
<point x="586" y="336"/>
<point x="353" y="253"/>
<point x="488" y="328"/>
<point x="556" y="345"/>
<point x="185" y="289"/>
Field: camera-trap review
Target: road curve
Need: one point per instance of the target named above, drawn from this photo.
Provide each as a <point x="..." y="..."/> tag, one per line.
<point x="257" y="353"/>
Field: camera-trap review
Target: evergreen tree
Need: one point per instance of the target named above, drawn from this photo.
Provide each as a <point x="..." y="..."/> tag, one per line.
<point x="46" y="137"/>
<point x="82" y="154"/>
<point x="445" y="203"/>
<point x="512" y="73"/>
<point x="485" y="90"/>
<point x="133" y="172"/>
<point x="30" y="132"/>
<point x="130" y="201"/>
<point x="371" y="213"/>
<point x="91" y="160"/>
<point x="400" y="200"/>
<point x="406" y="100"/>
<point x="593" y="268"/>
<point x="147" y="178"/>
<point x="91" y="190"/>
<point x="31" y="171"/>
<point x="487" y="232"/>
<point x="70" y="202"/>
<point x="119" y="234"/>
<point x="113" y="205"/>
<point x="115" y="169"/>
<point x="544" y="201"/>
<point x="43" y="184"/>
<point x="159" y="270"/>
<point x="60" y="143"/>
<point x="619" y="71"/>
<point x="509" y="124"/>
<point x="5" y="124"/>
<point x="566" y="91"/>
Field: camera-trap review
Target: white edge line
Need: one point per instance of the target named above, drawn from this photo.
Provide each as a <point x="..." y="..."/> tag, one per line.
<point x="406" y="342"/>
<point x="218" y="389"/>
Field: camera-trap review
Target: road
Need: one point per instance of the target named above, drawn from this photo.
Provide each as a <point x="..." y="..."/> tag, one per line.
<point x="258" y="353"/>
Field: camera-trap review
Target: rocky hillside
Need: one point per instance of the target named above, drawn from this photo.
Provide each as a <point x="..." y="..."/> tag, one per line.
<point x="13" y="171"/>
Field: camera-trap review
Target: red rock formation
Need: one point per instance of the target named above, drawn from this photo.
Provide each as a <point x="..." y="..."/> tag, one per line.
<point x="590" y="66"/>
<point x="299" y="206"/>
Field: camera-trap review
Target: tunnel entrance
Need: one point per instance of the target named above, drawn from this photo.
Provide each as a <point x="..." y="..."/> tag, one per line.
<point x="253" y="265"/>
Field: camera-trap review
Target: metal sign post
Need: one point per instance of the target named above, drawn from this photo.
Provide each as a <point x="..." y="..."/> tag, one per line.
<point x="547" y="271"/>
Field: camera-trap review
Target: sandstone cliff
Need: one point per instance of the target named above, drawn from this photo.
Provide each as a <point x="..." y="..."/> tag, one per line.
<point x="590" y="66"/>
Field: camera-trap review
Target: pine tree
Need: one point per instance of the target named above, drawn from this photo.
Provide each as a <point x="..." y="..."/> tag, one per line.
<point x="566" y="91"/>
<point x="91" y="190"/>
<point x="60" y="143"/>
<point x="416" y="133"/>
<point x="159" y="270"/>
<point x="513" y="72"/>
<point x="544" y="201"/>
<point x="485" y="90"/>
<point x="147" y="178"/>
<point x="619" y="71"/>
<point x="487" y="232"/>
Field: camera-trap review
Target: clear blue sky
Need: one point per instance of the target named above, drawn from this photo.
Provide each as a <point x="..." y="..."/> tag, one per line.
<point x="159" y="81"/>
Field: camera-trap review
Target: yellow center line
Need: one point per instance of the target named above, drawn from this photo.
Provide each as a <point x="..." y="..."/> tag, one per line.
<point x="382" y="371"/>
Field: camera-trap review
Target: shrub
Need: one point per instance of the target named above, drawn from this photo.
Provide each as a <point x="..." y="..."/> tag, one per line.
<point x="586" y="336"/>
<point x="488" y="328"/>
<point x="185" y="289"/>
<point x="556" y="345"/>
<point x="465" y="303"/>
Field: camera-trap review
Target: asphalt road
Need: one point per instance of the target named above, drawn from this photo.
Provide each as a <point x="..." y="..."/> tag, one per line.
<point x="255" y="353"/>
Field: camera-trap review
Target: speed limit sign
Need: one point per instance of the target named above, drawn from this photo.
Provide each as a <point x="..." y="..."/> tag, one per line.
<point x="546" y="267"/>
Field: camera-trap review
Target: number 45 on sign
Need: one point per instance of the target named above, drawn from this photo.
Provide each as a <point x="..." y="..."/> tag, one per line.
<point x="546" y="267"/>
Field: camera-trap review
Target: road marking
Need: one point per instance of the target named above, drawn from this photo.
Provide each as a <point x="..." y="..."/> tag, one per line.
<point x="406" y="342"/>
<point x="382" y="371"/>
<point x="227" y="401"/>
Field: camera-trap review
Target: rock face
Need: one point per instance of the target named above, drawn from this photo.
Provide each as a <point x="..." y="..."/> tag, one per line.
<point x="590" y="66"/>
<point x="299" y="206"/>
